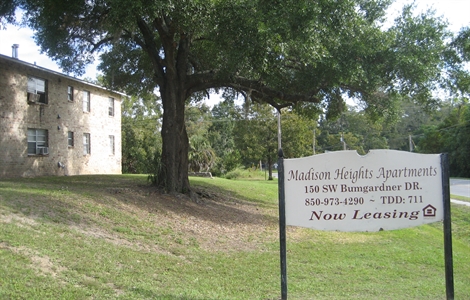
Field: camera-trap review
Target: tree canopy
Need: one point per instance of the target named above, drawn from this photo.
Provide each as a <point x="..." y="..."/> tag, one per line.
<point x="307" y="54"/>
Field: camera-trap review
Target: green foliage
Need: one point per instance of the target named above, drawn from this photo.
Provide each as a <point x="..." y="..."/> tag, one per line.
<point x="201" y="155"/>
<point x="224" y="116"/>
<point x="234" y="174"/>
<point x="452" y="136"/>
<point x="255" y="134"/>
<point x="252" y="173"/>
<point x="156" y="170"/>
<point x="7" y="12"/>
<point x="414" y="62"/>
<point x="317" y="52"/>
<point x="356" y="129"/>
<point x="460" y="80"/>
<point x="229" y="161"/>
<point x="297" y="134"/>
<point x="409" y="122"/>
<point x="141" y="140"/>
<point x="432" y="141"/>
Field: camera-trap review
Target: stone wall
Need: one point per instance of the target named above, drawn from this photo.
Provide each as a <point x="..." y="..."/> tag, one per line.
<point x="58" y="117"/>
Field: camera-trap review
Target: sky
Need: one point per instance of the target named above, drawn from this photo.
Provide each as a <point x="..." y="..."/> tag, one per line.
<point x="455" y="11"/>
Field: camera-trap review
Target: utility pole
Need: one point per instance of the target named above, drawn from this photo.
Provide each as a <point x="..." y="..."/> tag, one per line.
<point x="342" y="141"/>
<point x="410" y="141"/>
<point x="279" y="146"/>
<point x="314" y="138"/>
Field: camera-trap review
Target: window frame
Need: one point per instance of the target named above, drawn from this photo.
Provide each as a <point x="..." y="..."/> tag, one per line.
<point x="112" y="144"/>
<point x="70" y="93"/>
<point x="86" y="144"/>
<point x="39" y="138"/>
<point x="36" y="89"/>
<point x="70" y="139"/>
<point x="111" y="106"/>
<point x="86" y="99"/>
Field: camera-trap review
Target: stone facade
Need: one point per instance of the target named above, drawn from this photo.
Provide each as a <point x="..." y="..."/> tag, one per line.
<point x="48" y="131"/>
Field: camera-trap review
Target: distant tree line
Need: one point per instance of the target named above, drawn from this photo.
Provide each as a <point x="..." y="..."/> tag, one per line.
<point x="230" y="135"/>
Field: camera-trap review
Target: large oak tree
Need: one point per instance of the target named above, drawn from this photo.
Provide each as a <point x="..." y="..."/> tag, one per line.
<point x="286" y="53"/>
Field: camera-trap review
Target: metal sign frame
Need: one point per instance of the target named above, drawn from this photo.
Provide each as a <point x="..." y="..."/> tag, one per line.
<point x="444" y="164"/>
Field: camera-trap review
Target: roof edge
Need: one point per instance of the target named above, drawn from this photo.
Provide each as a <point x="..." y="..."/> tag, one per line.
<point x="22" y="62"/>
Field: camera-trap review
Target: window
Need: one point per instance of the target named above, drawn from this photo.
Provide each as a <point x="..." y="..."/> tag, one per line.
<point x="86" y="101"/>
<point x="37" y="90"/>
<point x="86" y="144"/>
<point x="111" y="107"/>
<point x="37" y="142"/>
<point x="70" y="93"/>
<point x="111" y="144"/>
<point x="70" y="138"/>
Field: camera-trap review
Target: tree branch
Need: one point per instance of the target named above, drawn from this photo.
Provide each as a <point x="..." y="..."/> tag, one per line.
<point x="168" y="44"/>
<point x="182" y="56"/>
<point x="150" y="46"/>
<point x="259" y="91"/>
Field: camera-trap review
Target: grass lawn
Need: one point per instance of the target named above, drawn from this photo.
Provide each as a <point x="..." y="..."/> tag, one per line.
<point x="115" y="237"/>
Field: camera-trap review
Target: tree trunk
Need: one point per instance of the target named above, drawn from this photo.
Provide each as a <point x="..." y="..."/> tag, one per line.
<point x="270" y="168"/>
<point x="173" y="174"/>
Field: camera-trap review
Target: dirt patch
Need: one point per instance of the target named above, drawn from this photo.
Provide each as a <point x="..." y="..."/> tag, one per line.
<point x="19" y="220"/>
<point x="43" y="265"/>
<point x="216" y="222"/>
<point x="115" y="239"/>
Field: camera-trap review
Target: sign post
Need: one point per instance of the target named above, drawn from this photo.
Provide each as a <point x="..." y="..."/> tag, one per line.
<point x="383" y="190"/>
<point x="449" y="265"/>
<point x="282" y="226"/>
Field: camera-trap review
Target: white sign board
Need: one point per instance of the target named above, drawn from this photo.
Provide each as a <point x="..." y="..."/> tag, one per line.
<point x="383" y="190"/>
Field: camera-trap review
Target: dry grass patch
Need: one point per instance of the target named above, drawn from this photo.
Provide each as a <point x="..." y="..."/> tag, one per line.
<point x="215" y="222"/>
<point x="42" y="264"/>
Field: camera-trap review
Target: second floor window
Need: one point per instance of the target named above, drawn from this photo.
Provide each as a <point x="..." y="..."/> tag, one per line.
<point x="86" y="101"/>
<point x="37" y="90"/>
<point x="111" y="107"/>
<point x="70" y="93"/>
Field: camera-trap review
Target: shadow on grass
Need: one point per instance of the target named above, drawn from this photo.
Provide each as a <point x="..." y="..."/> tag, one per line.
<point x="59" y="199"/>
<point x="49" y="203"/>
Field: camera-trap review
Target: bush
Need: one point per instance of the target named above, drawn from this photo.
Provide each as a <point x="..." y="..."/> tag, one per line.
<point x="157" y="171"/>
<point x="234" y="174"/>
<point x="241" y="172"/>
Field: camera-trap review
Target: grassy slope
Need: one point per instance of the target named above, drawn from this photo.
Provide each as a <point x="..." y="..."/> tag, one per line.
<point x="108" y="237"/>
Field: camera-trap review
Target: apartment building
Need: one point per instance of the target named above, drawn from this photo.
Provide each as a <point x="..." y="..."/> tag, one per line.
<point x="54" y="124"/>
